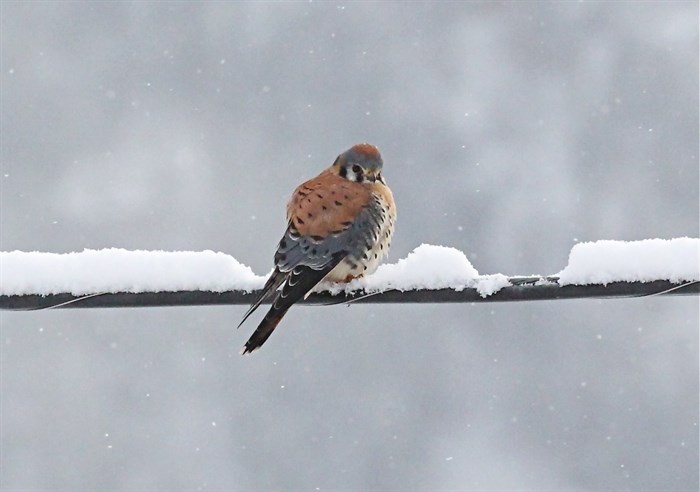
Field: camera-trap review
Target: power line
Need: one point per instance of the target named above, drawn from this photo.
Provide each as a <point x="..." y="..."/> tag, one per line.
<point x="522" y="289"/>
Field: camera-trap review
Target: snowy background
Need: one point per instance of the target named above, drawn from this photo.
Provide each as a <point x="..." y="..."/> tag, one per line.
<point x="509" y="131"/>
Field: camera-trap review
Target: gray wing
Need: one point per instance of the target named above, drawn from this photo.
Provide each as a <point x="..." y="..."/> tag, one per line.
<point x="316" y="252"/>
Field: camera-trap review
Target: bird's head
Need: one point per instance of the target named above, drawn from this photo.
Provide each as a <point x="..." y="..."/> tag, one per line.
<point x="361" y="163"/>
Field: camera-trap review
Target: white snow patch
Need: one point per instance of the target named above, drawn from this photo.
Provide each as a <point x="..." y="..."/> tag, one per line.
<point x="602" y="262"/>
<point x="426" y="267"/>
<point x="120" y="270"/>
<point x="490" y="284"/>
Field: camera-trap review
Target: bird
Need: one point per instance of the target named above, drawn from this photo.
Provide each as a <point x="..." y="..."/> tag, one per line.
<point x="339" y="228"/>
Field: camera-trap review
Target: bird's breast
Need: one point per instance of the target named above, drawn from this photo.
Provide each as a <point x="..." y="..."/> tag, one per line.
<point x="366" y="261"/>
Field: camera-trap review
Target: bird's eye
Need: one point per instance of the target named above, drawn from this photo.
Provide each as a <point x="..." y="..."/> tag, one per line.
<point x="356" y="169"/>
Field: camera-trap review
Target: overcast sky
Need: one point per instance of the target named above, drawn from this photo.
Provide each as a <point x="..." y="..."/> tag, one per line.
<point x="509" y="130"/>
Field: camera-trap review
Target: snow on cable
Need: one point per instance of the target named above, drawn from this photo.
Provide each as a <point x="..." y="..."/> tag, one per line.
<point x="603" y="262"/>
<point x="119" y="270"/>
<point x="428" y="267"/>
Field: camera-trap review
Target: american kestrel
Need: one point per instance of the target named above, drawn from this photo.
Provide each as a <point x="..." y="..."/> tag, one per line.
<point x="339" y="227"/>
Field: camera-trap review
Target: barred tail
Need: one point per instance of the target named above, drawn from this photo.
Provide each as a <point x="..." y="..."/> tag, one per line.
<point x="297" y="284"/>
